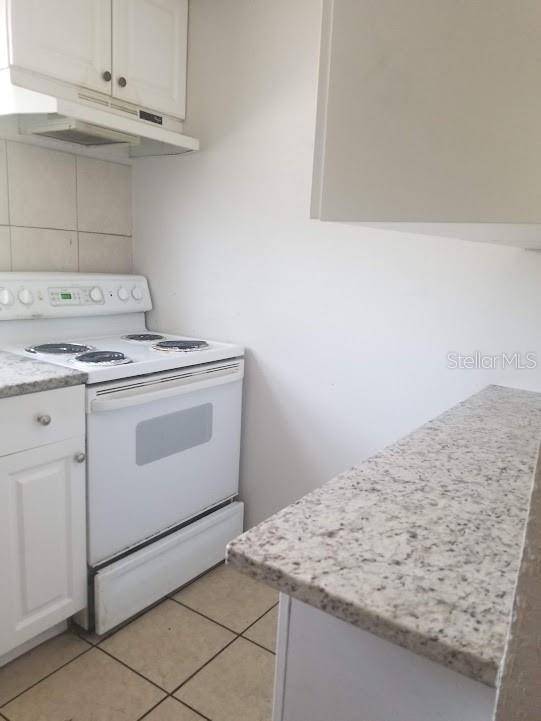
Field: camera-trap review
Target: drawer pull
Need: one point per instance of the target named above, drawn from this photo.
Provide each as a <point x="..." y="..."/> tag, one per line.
<point x="80" y="457"/>
<point x="44" y="420"/>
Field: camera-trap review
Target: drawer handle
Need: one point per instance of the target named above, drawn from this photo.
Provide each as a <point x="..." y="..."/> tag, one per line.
<point x="80" y="458"/>
<point x="122" y="81"/>
<point x="44" y="420"/>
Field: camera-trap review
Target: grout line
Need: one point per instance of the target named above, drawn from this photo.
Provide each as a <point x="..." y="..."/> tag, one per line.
<point x="47" y="675"/>
<point x="77" y="209"/>
<point x="192" y="708"/>
<point x="237" y="636"/>
<point x="122" y="663"/>
<point x="259" y="619"/>
<point x="8" y="196"/>
<point x="203" y="666"/>
<point x="255" y="643"/>
<point x="176" y="700"/>
<point x="70" y="230"/>
<point x="227" y="628"/>
<point x="151" y="709"/>
<point x="208" y="618"/>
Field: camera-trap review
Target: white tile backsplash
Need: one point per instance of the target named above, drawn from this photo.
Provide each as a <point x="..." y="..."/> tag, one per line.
<point x="99" y="253"/>
<point x="48" y="197"/>
<point x="4" y="207"/>
<point x="103" y="196"/>
<point x="5" y="248"/>
<point x="42" y="190"/>
<point x="43" y="249"/>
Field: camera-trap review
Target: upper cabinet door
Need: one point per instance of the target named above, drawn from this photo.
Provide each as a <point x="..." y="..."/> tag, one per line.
<point x="150" y="40"/>
<point x="429" y="110"/>
<point x="65" y="39"/>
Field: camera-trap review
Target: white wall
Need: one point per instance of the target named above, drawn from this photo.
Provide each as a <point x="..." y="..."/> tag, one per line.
<point x="347" y="328"/>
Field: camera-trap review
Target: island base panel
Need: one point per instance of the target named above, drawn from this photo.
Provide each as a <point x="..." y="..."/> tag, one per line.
<point x="328" y="669"/>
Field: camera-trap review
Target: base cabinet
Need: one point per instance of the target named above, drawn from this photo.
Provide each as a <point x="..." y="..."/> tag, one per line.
<point x="327" y="669"/>
<point x="42" y="539"/>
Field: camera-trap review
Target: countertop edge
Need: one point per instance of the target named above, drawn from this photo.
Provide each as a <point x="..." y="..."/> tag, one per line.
<point x="21" y="376"/>
<point x="72" y="378"/>
<point x="462" y="662"/>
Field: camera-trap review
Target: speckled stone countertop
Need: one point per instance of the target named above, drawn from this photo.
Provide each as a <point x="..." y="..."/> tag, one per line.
<point x="421" y="543"/>
<point x="24" y="375"/>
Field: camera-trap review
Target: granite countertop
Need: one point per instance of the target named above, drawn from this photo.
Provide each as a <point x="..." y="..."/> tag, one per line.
<point x="25" y="375"/>
<point x="421" y="543"/>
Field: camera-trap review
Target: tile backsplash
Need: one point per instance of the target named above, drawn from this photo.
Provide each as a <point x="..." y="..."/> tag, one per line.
<point x="63" y="212"/>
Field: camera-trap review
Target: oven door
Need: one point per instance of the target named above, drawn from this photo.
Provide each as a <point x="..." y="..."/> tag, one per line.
<point x="161" y="450"/>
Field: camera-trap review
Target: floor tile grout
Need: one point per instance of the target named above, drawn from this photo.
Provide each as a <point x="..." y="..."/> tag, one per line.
<point x="192" y="708"/>
<point x="227" y="628"/>
<point x="237" y="636"/>
<point x="79" y="633"/>
<point x="122" y="663"/>
<point x="259" y="619"/>
<point x="203" y="666"/>
<point x="2" y="706"/>
<point x="182" y="703"/>
<point x="264" y="648"/>
<point x="150" y="710"/>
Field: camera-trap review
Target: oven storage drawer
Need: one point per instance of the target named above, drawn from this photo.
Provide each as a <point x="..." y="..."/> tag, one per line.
<point x="128" y="586"/>
<point x="37" y="419"/>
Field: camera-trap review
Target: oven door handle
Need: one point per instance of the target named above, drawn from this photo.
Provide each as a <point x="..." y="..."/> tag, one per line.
<point x="139" y="396"/>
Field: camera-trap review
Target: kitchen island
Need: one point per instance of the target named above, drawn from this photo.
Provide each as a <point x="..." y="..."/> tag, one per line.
<point x="397" y="577"/>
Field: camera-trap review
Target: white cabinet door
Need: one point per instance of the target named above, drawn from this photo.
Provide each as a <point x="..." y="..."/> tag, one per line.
<point x="149" y="50"/>
<point x="65" y="39"/>
<point x="42" y="540"/>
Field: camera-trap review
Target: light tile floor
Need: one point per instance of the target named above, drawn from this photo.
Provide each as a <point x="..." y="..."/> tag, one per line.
<point x="207" y="652"/>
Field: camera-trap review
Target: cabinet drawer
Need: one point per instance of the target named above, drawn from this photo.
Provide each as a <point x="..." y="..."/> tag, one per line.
<point x="23" y="419"/>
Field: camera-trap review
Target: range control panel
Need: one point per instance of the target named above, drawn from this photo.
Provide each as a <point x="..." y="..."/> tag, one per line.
<point x="54" y="295"/>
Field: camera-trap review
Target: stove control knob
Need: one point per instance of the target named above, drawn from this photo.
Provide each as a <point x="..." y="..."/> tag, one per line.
<point x="26" y="296"/>
<point x="137" y="293"/>
<point x="6" y="296"/>
<point x="96" y="295"/>
<point x="123" y="293"/>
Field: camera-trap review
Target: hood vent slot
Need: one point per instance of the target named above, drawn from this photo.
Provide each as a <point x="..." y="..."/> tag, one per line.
<point x="73" y="131"/>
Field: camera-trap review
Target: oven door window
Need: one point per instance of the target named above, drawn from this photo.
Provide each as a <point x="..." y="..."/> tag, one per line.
<point x="173" y="433"/>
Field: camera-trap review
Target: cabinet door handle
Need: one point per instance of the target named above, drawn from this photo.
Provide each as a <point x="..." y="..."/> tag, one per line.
<point x="122" y="81"/>
<point x="106" y="75"/>
<point x="80" y="457"/>
<point x="44" y="420"/>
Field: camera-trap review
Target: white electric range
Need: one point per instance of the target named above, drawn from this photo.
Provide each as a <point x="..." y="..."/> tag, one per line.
<point x="163" y="432"/>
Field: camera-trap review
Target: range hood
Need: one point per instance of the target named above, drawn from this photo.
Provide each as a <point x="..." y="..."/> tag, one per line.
<point x="72" y="130"/>
<point x="88" y="120"/>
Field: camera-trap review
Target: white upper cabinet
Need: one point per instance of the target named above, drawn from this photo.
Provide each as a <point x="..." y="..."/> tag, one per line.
<point x="132" y="50"/>
<point x="429" y="111"/>
<point x="149" y="53"/>
<point x="65" y="39"/>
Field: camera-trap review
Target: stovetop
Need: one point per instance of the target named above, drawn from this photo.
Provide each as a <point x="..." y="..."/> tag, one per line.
<point x="124" y="355"/>
<point x="98" y="324"/>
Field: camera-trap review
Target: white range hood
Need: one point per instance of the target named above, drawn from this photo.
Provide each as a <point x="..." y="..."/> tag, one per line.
<point x="86" y="122"/>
